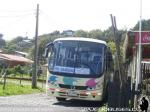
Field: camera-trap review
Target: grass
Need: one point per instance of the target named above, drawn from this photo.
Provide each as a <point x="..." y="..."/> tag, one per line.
<point x="16" y="89"/>
<point x="28" y="76"/>
<point x="26" y="82"/>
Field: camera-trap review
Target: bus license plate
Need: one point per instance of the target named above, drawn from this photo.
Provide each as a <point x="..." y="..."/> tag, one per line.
<point x="72" y="93"/>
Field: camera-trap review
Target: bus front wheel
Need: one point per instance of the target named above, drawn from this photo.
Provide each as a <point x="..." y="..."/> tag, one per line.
<point x="60" y="99"/>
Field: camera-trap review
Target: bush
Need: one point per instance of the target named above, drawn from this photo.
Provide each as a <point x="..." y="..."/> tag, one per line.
<point x="18" y="70"/>
<point x="10" y="71"/>
<point x="0" y="70"/>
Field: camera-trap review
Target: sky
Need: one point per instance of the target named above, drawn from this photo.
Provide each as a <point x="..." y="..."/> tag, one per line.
<point x="17" y="17"/>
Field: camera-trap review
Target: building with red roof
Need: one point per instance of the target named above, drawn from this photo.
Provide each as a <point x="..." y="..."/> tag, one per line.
<point x="14" y="60"/>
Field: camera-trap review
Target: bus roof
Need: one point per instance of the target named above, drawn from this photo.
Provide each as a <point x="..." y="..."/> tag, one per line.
<point x="81" y="39"/>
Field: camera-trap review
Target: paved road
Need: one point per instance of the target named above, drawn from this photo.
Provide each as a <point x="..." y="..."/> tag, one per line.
<point x="42" y="103"/>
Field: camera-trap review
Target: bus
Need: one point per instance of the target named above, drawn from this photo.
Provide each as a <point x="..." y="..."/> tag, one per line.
<point x="78" y="68"/>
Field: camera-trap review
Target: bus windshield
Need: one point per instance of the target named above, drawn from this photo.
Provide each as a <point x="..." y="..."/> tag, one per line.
<point x="77" y="58"/>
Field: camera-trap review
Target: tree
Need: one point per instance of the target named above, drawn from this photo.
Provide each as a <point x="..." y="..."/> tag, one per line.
<point x="42" y="41"/>
<point x="145" y="25"/>
<point x="81" y="33"/>
<point x="112" y="47"/>
<point x="2" y="41"/>
<point x="55" y="33"/>
<point x="97" y="34"/>
<point x="41" y="49"/>
<point x="108" y="34"/>
<point x="12" y="45"/>
<point x="9" y="47"/>
<point x="1" y="35"/>
<point x="17" y="39"/>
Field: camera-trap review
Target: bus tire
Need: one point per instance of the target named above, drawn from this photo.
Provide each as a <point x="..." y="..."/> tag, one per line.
<point x="60" y="99"/>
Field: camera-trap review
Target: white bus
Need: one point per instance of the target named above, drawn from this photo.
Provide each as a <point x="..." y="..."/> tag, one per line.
<point x="78" y="68"/>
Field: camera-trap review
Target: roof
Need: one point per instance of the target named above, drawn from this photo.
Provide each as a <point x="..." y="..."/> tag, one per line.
<point x="81" y="39"/>
<point x="23" y="53"/>
<point x="14" y="58"/>
<point x="138" y="31"/>
<point x="132" y="41"/>
<point x="146" y="60"/>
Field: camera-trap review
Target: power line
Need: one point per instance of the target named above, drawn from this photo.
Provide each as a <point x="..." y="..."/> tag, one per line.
<point x="50" y="21"/>
<point x="15" y="11"/>
<point x="14" y="21"/>
<point x="16" y="16"/>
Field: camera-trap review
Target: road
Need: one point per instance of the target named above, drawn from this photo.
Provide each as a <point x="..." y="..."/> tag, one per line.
<point x="40" y="102"/>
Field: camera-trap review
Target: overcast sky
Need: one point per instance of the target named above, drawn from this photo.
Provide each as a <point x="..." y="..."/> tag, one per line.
<point x="17" y="17"/>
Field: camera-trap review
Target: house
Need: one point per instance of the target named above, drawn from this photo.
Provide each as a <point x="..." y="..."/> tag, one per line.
<point x="25" y="43"/>
<point x="14" y="60"/>
<point x="68" y="33"/>
<point x="19" y="53"/>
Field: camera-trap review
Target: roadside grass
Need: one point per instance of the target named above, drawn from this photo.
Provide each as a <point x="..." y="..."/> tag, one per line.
<point x="16" y="89"/>
<point x="26" y="82"/>
<point x="41" y="77"/>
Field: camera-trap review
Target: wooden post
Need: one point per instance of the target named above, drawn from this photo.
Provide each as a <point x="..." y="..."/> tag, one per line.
<point x="4" y="84"/>
<point x="119" y="64"/>
<point x="34" y="75"/>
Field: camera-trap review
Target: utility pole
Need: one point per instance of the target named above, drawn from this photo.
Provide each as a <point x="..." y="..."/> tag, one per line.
<point x="119" y="64"/>
<point x="34" y="75"/>
<point x="139" y="58"/>
<point x="120" y="78"/>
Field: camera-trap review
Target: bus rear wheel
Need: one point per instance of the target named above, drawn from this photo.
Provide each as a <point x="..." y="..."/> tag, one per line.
<point x="61" y="99"/>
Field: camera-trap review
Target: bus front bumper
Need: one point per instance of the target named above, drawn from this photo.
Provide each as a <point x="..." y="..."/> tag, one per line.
<point x="90" y="95"/>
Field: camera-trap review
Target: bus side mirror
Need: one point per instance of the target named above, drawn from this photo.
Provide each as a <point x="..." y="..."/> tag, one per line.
<point x="47" y="48"/>
<point x="46" y="52"/>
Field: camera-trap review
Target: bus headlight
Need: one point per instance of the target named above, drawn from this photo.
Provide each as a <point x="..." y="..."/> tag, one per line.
<point x="99" y="94"/>
<point x="91" y="88"/>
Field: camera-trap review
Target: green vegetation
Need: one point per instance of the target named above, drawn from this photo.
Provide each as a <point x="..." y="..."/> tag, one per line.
<point x="19" y="44"/>
<point x="2" y="41"/>
<point x="15" y="89"/>
<point x="24" y="72"/>
<point x="145" y="25"/>
<point x="19" y="71"/>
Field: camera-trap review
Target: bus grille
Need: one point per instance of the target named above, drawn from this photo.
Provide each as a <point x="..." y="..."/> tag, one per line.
<point x="75" y="87"/>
